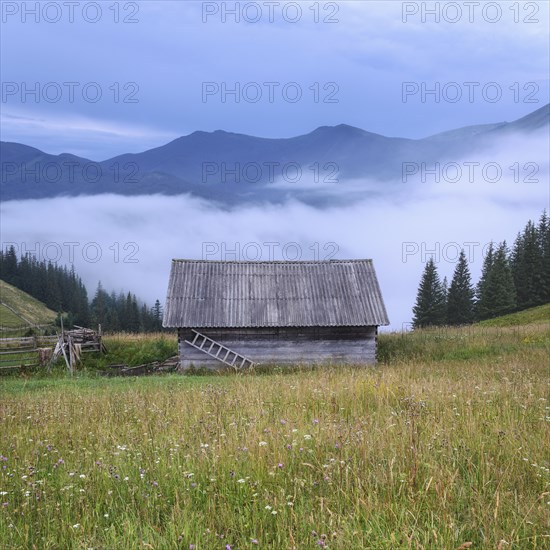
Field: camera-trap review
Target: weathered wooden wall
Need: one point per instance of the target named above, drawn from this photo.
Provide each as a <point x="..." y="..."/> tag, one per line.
<point x="285" y="345"/>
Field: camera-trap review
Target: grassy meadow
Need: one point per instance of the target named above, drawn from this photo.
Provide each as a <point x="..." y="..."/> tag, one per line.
<point x="443" y="445"/>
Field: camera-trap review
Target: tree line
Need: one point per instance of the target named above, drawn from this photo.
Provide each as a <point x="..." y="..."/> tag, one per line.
<point x="511" y="280"/>
<point x="63" y="291"/>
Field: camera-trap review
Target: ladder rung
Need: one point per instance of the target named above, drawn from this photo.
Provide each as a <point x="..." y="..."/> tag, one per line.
<point x="226" y="359"/>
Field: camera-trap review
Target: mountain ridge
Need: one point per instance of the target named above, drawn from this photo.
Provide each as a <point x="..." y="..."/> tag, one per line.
<point x="233" y="167"/>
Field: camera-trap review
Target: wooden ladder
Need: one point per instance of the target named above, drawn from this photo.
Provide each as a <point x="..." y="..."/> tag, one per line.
<point x="219" y="351"/>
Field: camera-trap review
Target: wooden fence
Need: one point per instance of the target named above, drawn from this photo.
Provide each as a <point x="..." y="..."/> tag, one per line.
<point x="25" y="352"/>
<point x="38" y="351"/>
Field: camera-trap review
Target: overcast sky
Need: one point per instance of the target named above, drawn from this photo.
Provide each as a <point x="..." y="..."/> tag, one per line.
<point x="166" y="68"/>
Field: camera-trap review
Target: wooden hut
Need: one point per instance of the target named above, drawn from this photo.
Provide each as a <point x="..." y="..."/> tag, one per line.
<point x="245" y="313"/>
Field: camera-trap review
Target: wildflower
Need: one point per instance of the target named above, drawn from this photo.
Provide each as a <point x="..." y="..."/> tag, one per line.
<point x="274" y="512"/>
<point x="307" y="437"/>
<point x="126" y="478"/>
<point x="4" y="504"/>
<point x="289" y="447"/>
<point x="240" y="480"/>
<point x="81" y="476"/>
<point x="263" y="443"/>
<point x="315" y="421"/>
<point x="279" y="465"/>
<point x="283" y="422"/>
<point x="254" y="541"/>
<point x="268" y="507"/>
<point x="105" y="515"/>
<point x="76" y="525"/>
<point x="2" y="493"/>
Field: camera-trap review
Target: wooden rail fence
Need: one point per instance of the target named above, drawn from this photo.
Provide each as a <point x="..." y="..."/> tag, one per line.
<point x="42" y="351"/>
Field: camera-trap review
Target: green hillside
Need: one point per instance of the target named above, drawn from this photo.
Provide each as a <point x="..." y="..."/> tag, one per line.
<point x="493" y="338"/>
<point x="539" y="314"/>
<point x="17" y="308"/>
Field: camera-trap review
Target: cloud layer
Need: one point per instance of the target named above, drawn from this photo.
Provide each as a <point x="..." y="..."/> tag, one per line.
<point x="128" y="243"/>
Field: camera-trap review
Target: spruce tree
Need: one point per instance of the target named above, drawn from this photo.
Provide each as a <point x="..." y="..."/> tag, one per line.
<point x="460" y="297"/>
<point x="527" y="267"/>
<point x="543" y="234"/>
<point x="483" y="305"/>
<point x="429" y="309"/>
<point x="157" y="315"/>
<point x="498" y="295"/>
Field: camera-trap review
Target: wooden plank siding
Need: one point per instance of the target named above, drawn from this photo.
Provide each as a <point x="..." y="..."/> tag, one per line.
<point x="285" y="345"/>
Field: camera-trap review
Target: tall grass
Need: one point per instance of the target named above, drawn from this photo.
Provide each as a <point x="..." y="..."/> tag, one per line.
<point x="413" y="454"/>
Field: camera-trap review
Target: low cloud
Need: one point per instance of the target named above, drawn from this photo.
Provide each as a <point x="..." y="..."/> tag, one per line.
<point x="128" y="243"/>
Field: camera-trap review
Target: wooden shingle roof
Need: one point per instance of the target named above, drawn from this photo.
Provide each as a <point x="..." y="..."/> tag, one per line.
<point x="273" y="294"/>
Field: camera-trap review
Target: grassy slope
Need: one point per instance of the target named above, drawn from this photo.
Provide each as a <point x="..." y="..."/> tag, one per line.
<point x="540" y="314"/>
<point x="28" y="309"/>
<point x="419" y="453"/>
<point x="495" y="338"/>
<point x="411" y="455"/>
